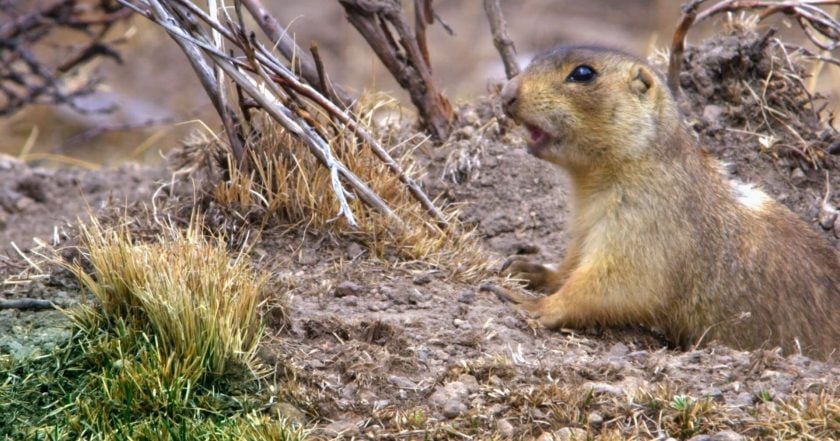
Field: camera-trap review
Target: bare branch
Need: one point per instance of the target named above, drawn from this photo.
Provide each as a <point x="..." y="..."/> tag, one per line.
<point x="405" y="57"/>
<point x="272" y="87"/>
<point x="501" y="39"/>
<point x="27" y="78"/>
<point x="30" y="304"/>
<point x="304" y="65"/>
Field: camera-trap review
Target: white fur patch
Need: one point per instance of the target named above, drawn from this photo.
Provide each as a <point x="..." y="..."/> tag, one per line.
<point x="749" y="196"/>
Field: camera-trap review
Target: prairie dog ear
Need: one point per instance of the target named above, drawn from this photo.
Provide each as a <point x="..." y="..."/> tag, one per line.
<point x="641" y="79"/>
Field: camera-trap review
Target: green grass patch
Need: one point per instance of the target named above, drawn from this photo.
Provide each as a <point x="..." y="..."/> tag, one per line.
<point x="168" y="352"/>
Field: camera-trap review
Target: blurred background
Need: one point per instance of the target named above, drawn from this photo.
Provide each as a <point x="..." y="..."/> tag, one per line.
<point x="156" y="87"/>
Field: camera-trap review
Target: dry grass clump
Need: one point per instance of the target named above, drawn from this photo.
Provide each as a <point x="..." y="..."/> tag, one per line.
<point x="184" y="290"/>
<point x="813" y="416"/>
<point x="290" y="185"/>
<point x="167" y="353"/>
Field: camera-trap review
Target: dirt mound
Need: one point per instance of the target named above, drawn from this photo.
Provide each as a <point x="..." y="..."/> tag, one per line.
<point x="748" y="102"/>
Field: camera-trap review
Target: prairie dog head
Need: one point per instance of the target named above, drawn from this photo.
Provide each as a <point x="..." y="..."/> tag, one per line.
<point x="587" y="107"/>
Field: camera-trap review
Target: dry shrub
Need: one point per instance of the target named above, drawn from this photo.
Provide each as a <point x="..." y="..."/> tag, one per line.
<point x="184" y="291"/>
<point x="288" y="184"/>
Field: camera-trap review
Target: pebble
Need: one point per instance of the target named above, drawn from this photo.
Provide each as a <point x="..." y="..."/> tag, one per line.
<point x="451" y="397"/>
<point x="618" y="350"/>
<point x="712" y="113"/>
<point x="416" y="297"/>
<point x="603" y="388"/>
<point x="467" y="296"/>
<point x="727" y="435"/>
<point x="837" y="227"/>
<point x="422" y="279"/>
<point x="595" y="419"/>
<point x="343" y="428"/>
<point x="347" y="288"/>
<point x="470" y="116"/>
<point x="401" y="382"/>
<point x="744" y="399"/>
<point x="453" y="408"/>
<point x="504" y="428"/>
<point x="564" y="434"/>
<point x="290" y="412"/>
<point x="354" y="250"/>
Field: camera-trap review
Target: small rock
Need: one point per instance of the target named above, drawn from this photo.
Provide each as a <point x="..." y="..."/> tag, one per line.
<point x="827" y="216"/>
<point x="401" y="382"/>
<point x="354" y="250"/>
<point x="603" y="388"/>
<point x="343" y="428"/>
<point x="595" y="419"/>
<point x="470" y="117"/>
<point x="450" y="397"/>
<point x="797" y="175"/>
<point x="290" y="412"/>
<point x="570" y="434"/>
<point x="380" y="404"/>
<point x="416" y="297"/>
<point x="744" y="399"/>
<point x="377" y="306"/>
<point x="347" y="288"/>
<point x="711" y="114"/>
<point x="466" y="132"/>
<point x="422" y="279"/>
<point x="618" y="350"/>
<point x="545" y="436"/>
<point x="727" y="435"/>
<point x="453" y="409"/>
<point x="23" y="203"/>
<point x="308" y="257"/>
<point x="837" y="227"/>
<point x="700" y="438"/>
<point x="504" y="428"/>
<point x="469" y="382"/>
<point x="461" y="324"/>
<point x="467" y="296"/>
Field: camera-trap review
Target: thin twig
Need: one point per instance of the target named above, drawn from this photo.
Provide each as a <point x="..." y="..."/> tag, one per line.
<point x="342" y="116"/>
<point x="405" y="60"/>
<point x="304" y="64"/>
<point x="31" y="304"/>
<point x="501" y="39"/>
<point x="208" y="81"/>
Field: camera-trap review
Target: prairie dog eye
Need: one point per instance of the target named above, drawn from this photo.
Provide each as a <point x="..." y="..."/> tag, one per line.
<point x="582" y="74"/>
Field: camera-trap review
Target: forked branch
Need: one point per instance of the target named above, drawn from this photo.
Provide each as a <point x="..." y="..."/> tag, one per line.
<point x="406" y="56"/>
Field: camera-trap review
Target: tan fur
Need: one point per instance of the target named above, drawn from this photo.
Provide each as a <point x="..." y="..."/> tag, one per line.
<point x="659" y="235"/>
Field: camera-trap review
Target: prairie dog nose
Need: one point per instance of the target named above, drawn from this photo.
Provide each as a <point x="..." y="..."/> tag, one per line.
<point x="509" y="94"/>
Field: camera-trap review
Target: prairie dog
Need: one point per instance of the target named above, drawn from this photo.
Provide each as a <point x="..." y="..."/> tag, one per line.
<point x="659" y="235"/>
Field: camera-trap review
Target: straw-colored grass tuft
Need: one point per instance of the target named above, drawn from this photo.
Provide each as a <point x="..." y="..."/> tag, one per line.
<point x="184" y="290"/>
<point x="289" y="184"/>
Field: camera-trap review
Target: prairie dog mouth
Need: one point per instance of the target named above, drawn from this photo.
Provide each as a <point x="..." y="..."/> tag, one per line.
<point x="539" y="138"/>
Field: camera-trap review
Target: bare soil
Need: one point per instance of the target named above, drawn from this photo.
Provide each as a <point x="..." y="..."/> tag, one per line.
<point x="379" y="348"/>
